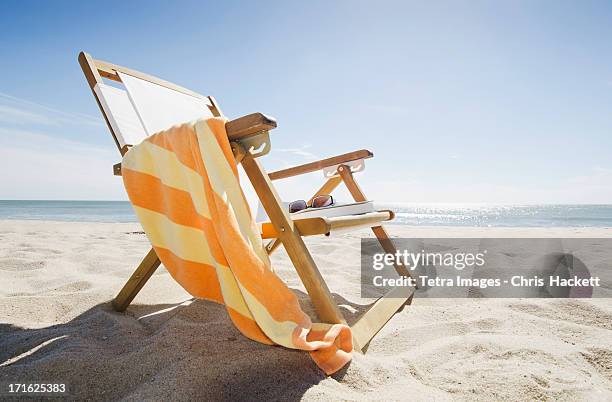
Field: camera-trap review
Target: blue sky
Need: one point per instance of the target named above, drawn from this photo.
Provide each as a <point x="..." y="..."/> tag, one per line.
<point x="459" y="101"/>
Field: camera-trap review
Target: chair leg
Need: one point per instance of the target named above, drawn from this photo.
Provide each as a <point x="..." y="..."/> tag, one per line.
<point x="379" y="231"/>
<point x="379" y="314"/>
<point x="319" y="293"/>
<point x="138" y="279"/>
<point x="384" y="308"/>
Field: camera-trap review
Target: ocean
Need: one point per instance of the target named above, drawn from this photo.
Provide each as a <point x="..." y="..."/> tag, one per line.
<point x="408" y="214"/>
<point x="547" y="215"/>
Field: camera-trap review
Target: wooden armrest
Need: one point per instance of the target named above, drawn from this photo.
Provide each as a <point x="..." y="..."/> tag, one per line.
<point x="248" y="125"/>
<point x="237" y="129"/>
<point x="318" y="165"/>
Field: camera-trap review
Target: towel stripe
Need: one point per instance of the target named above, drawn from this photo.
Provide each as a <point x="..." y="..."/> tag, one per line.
<point x="163" y="164"/>
<point x="151" y="194"/>
<point x="200" y="280"/>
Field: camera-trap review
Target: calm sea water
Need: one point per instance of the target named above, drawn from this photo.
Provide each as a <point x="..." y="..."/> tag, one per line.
<point x="411" y="214"/>
<point x="504" y="215"/>
<point x="72" y="211"/>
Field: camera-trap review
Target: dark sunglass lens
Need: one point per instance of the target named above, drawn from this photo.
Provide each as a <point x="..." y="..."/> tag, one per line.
<point x="322" y="201"/>
<point x="296" y="206"/>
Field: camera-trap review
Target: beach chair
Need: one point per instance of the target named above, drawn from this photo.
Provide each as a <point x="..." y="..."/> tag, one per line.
<point x="135" y="105"/>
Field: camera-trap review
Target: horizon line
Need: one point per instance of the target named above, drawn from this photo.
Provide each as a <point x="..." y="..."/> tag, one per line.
<point x="377" y="202"/>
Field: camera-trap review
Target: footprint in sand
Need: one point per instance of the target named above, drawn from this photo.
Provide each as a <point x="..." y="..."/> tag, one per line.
<point x="79" y="286"/>
<point x="70" y="288"/>
<point x="468" y="366"/>
<point x="488" y="324"/>
<point x="40" y="250"/>
<point x="324" y="249"/>
<point x="568" y="310"/>
<point x="18" y="264"/>
<point x="601" y="360"/>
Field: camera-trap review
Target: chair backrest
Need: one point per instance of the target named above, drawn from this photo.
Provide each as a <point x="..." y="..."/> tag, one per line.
<point x="146" y="106"/>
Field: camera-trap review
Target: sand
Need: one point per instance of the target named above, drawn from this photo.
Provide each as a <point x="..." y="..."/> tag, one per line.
<point x="56" y="325"/>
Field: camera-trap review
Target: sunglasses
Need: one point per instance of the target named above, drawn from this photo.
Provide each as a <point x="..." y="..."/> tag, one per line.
<point x="319" y="201"/>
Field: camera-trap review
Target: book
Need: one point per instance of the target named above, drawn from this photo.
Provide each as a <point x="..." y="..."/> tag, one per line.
<point x="331" y="211"/>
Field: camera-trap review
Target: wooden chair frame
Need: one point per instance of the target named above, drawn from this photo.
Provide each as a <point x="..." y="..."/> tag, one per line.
<point x="284" y="230"/>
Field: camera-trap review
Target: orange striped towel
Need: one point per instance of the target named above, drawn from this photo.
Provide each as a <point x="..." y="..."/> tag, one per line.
<point x="183" y="184"/>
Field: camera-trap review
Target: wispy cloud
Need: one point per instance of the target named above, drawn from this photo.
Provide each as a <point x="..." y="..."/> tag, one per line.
<point x="301" y="151"/>
<point x="20" y="112"/>
<point x="15" y="116"/>
<point x="44" y="163"/>
<point x="46" y="167"/>
<point x="597" y="178"/>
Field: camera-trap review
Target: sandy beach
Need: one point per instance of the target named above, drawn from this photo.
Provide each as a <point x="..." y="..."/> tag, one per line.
<point x="57" y="326"/>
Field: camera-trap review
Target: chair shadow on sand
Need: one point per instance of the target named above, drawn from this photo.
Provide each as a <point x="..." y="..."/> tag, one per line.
<point x="167" y="351"/>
